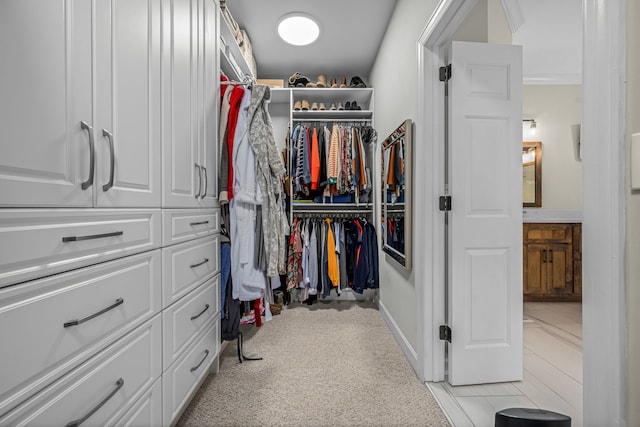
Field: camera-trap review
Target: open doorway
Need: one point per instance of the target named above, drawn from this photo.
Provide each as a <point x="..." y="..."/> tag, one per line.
<point x="603" y="218"/>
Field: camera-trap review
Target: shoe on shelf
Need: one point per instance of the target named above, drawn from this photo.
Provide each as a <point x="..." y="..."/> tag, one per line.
<point x="305" y="105"/>
<point x="340" y="107"/>
<point x="347" y="106"/>
<point x="343" y="81"/>
<point x="333" y="107"/>
<point x="357" y="82"/>
<point x="355" y="106"/>
<point x="297" y="106"/>
<point x="334" y="84"/>
<point x="322" y="107"/>
<point x="314" y="106"/>
<point x="298" y="80"/>
<point x="311" y="84"/>
<point x="322" y="81"/>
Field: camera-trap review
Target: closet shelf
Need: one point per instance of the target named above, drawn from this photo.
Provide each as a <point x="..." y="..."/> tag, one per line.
<point x="362" y="96"/>
<point x="333" y="115"/>
<point x="232" y="61"/>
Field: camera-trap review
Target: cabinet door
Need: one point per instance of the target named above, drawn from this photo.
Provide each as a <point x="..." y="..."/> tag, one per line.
<point x="128" y="105"/>
<point x="210" y="107"/>
<point x="534" y="270"/>
<point x="559" y="269"/>
<point x="182" y="173"/>
<point x="45" y="93"/>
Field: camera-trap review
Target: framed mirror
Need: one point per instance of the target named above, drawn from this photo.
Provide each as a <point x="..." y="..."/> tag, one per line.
<point x="396" y="181"/>
<point x="532" y="174"/>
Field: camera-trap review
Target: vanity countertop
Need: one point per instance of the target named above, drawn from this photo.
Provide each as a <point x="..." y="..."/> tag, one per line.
<point x="551" y="215"/>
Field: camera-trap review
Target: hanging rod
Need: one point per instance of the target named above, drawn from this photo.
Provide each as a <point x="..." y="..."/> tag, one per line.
<point x="387" y="143"/>
<point x="331" y="120"/>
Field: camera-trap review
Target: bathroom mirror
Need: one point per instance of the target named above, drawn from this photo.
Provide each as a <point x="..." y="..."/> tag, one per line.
<point x="532" y="174"/>
<point x="396" y="194"/>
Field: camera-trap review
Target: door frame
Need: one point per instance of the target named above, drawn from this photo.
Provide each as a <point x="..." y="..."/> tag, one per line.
<point x="604" y="172"/>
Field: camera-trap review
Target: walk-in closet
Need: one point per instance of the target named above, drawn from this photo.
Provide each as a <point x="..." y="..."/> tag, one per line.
<point x="337" y="212"/>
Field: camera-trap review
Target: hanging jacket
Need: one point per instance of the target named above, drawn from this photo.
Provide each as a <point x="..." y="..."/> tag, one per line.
<point x="270" y="171"/>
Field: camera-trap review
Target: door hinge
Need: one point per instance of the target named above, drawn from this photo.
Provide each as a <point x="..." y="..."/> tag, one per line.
<point x="445" y="73"/>
<point x="445" y="203"/>
<point x="445" y="333"/>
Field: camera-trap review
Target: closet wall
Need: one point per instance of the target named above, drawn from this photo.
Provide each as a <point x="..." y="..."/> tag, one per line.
<point x="109" y="306"/>
<point x="396" y="100"/>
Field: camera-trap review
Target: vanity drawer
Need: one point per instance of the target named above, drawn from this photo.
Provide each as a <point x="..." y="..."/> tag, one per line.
<point x="40" y="339"/>
<point x="180" y="225"/>
<point x="182" y="378"/>
<point x="116" y="378"/>
<point x="183" y="320"/>
<point x="548" y="232"/>
<point x="38" y="242"/>
<point x="187" y="265"/>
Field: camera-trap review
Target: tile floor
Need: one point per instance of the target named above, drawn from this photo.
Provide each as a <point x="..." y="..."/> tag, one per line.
<point x="552" y="372"/>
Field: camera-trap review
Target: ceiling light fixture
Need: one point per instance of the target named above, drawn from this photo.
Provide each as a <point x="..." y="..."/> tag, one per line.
<point x="298" y="29"/>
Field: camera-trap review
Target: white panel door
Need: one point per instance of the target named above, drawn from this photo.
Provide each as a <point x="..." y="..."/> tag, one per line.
<point x="128" y="109"/>
<point x="485" y="268"/>
<point x="182" y="173"/>
<point x="45" y="94"/>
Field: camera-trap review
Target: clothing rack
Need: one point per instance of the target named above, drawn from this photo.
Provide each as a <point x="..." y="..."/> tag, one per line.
<point x="387" y="143"/>
<point x="334" y="213"/>
<point x="352" y="122"/>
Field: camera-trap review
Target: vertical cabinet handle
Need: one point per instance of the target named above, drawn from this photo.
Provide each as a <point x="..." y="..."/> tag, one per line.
<point x="76" y="423"/>
<point x="109" y="137"/>
<point x="544" y="255"/>
<point x="550" y="255"/>
<point x="92" y="154"/>
<point x="206" y="354"/>
<point x="199" y="180"/>
<point x="204" y="193"/>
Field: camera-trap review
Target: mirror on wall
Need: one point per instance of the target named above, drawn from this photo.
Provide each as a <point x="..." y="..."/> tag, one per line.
<point x="532" y="174"/>
<point x="396" y="194"/>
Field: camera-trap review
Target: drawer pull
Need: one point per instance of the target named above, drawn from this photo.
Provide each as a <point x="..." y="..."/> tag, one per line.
<point x="206" y="260"/>
<point x="91" y="237"/>
<point x="206" y="354"/>
<point x="118" y="302"/>
<point x="76" y="423"/>
<point x="198" y="223"/>
<point x="206" y="307"/>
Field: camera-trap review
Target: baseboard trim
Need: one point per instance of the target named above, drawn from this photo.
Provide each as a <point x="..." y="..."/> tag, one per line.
<point x="406" y="348"/>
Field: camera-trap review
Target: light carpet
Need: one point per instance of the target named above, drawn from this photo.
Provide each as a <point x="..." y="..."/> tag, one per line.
<point x="330" y="364"/>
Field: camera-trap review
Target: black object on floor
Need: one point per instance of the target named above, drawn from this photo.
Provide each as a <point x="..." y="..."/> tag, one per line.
<point x="531" y="417"/>
<point x="241" y="356"/>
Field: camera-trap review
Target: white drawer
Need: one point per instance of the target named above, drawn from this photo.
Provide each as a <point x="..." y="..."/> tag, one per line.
<point x="183" y="320"/>
<point x="38" y="348"/>
<point x="180" y="381"/>
<point x="135" y="360"/>
<point x="147" y="411"/>
<point x="187" y="265"/>
<point x="180" y="225"/>
<point x="39" y="242"/>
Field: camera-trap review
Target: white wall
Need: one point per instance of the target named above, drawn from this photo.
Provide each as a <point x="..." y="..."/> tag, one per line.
<point x="557" y="109"/>
<point x="394" y="77"/>
<point x="633" y="219"/>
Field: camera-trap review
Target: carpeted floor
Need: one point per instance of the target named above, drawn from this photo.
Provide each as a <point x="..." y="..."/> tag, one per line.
<point x="329" y="364"/>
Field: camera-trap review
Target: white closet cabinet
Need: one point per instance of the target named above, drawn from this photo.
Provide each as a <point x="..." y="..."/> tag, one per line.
<point x="80" y="103"/>
<point x="190" y="75"/>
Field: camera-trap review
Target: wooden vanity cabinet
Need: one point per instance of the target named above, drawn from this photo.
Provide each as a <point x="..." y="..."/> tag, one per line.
<point x="552" y="261"/>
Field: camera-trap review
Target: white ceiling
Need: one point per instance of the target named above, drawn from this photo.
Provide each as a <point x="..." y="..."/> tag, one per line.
<point x="351" y="31"/>
<point x="350" y="35"/>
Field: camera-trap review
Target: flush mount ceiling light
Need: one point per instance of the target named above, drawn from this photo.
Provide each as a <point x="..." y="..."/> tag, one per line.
<point x="298" y="29"/>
